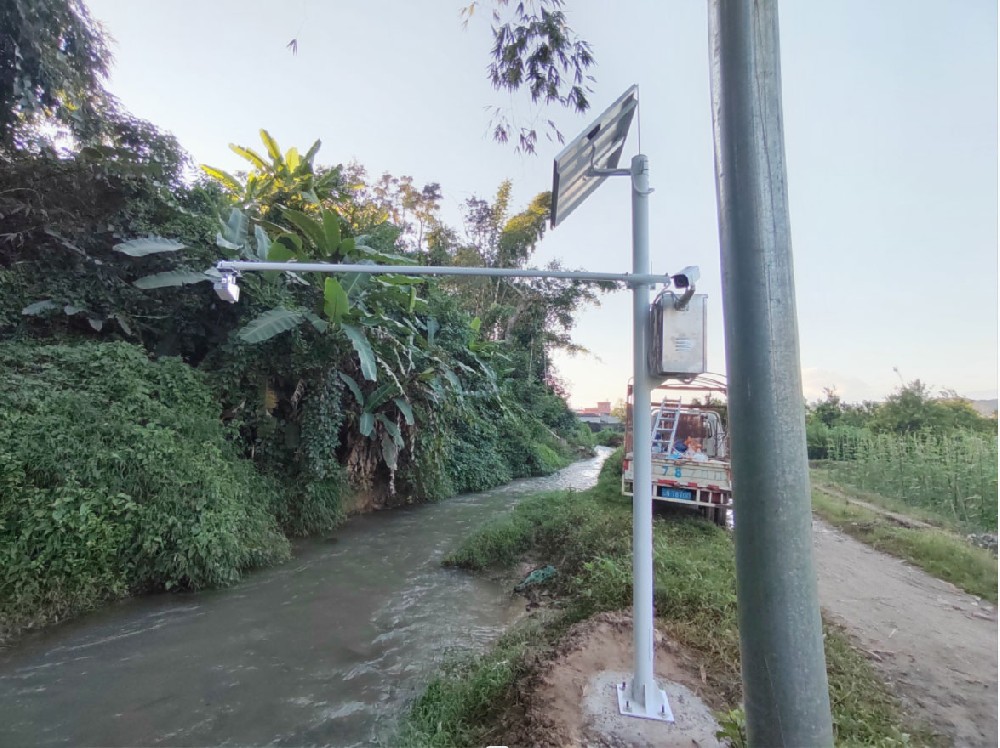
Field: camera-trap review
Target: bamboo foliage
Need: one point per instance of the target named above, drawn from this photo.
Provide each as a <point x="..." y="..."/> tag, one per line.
<point x="954" y="475"/>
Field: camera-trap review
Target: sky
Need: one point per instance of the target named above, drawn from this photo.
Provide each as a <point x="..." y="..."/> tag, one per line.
<point x="890" y="116"/>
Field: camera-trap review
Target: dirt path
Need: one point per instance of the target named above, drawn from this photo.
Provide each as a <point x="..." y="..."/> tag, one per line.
<point x="937" y="644"/>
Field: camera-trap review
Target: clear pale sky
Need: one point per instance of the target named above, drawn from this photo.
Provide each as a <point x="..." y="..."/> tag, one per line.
<point x="890" y="125"/>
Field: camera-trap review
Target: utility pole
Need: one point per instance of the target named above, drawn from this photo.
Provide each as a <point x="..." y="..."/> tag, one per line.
<point x="781" y="638"/>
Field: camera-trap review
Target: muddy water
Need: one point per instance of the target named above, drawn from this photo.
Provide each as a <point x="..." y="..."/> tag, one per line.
<point x="323" y="650"/>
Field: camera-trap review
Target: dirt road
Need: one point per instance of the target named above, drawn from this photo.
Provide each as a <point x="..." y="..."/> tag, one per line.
<point x="936" y="644"/>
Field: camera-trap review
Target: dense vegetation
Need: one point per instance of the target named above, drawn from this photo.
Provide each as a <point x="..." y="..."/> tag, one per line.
<point x="116" y="477"/>
<point x="587" y="536"/>
<point x="936" y="454"/>
<point x="155" y="436"/>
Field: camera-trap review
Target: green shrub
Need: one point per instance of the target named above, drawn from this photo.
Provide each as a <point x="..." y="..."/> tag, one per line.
<point x="609" y="438"/>
<point x="117" y="477"/>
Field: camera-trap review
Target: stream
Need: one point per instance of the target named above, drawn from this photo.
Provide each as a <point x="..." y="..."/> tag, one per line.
<point x="325" y="649"/>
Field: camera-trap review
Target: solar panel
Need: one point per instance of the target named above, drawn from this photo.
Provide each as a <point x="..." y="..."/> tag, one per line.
<point x="599" y="147"/>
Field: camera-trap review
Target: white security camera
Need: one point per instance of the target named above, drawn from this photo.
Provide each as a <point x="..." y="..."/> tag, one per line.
<point x="226" y="288"/>
<point x="686" y="277"/>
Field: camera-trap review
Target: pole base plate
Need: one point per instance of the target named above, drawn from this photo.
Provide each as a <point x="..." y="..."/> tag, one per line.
<point x="656" y="707"/>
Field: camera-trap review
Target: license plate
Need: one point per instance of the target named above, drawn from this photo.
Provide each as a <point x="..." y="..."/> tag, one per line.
<point x="676" y="493"/>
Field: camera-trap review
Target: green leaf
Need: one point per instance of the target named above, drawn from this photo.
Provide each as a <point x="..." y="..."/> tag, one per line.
<point x="225" y="178"/>
<point x="123" y="324"/>
<point x="172" y="278"/>
<point x="222" y="243"/>
<point x="392" y="428"/>
<point x="352" y="385"/>
<point x="312" y="229"/>
<point x="381" y="396"/>
<point x="386" y="257"/>
<point x="286" y="247"/>
<point x="237" y="228"/>
<point x="250" y="155"/>
<point x="346" y="248"/>
<point x="450" y="376"/>
<point x="292" y="159"/>
<point x="263" y="242"/>
<point x="97" y="323"/>
<point x="355" y="283"/>
<point x="413" y="298"/>
<point x="69" y="310"/>
<point x="335" y="303"/>
<point x="272" y="147"/>
<point x="311" y="153"/>
<point x="405" y="409"/>
<point x="475" y="324"/>
<point x="366" y="424"/>
<point x="401" y="280"/>
<point x="39" y="307"/>
<point x="271" y="323"/>
<point x="279" y="252"/>
<point x="364" y="350"/>
<point x="331" y="231"/>
<point x="319" y="323"/>
<point x="149" y="246"/>
<point x="432" y="327"/>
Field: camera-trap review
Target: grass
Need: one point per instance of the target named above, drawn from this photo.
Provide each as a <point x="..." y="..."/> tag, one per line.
<point x="463" y="706"/>
<point x="823" y="476"/>
<point x="587" y="536"/>
<point x="938" y="552"/>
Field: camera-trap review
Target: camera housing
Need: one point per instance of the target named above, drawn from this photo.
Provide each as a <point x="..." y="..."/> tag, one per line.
<point x="226" y="288"/>
<point x="686" y="277"/>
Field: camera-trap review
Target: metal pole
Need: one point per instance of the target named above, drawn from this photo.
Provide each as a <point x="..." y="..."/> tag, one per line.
<point x="784" y="671"/>
<point x="332" y="267"/>
<point x="649" y="700"/>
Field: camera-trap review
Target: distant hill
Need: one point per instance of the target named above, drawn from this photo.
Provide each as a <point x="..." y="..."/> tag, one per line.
<point x="985" y="407"/>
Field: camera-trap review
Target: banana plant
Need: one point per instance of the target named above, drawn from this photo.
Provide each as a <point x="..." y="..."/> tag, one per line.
<point x="373" y="423"/>
<point x="233" y="241"/>
<point x="277" y="178"/>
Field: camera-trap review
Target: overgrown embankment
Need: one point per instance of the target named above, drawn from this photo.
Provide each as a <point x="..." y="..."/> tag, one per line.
<point x="587" y="537"/>
<point x="315" y="396"/>
<point x="117" y="477"/>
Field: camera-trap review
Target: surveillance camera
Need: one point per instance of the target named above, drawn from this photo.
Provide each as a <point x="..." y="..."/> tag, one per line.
<point x="226" y="288"/>
<point x="686" y="277"/>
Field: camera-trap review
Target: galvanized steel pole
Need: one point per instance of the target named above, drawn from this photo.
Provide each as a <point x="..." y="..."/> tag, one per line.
<point x="784" y="670"/>
<point x="645" y="692"/>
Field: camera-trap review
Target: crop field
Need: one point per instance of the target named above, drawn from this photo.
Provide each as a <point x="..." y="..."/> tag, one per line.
<point x="953" y="476"/>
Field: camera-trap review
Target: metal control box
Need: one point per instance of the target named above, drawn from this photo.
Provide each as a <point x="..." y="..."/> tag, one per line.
<point x="678" y="349"/>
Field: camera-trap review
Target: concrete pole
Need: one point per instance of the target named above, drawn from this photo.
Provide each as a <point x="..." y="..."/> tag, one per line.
<point x="784" y="670"/>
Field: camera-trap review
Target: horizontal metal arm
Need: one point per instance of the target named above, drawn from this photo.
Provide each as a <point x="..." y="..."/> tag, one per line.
<point x="631" y="279"/>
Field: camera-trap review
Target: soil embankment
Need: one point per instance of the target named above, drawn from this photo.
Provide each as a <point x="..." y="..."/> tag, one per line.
<point x="936" y="644"/>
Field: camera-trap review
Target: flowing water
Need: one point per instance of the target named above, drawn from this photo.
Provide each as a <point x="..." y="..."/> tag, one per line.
<point x="324" y="650"/>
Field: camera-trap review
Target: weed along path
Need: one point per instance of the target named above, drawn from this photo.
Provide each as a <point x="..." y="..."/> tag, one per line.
<point x="936" y="644"/>
<point x="323" y="650"/>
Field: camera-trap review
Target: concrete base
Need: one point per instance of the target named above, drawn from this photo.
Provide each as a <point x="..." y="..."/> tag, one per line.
<point x="604" y="725"/>
<point x="656" y="707"/>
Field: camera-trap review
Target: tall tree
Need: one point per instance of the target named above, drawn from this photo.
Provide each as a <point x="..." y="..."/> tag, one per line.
<point x="535" y="48"/>
<point x="54" y="59"/>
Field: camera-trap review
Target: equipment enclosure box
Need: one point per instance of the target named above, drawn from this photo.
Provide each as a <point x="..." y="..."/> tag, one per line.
<point x="678" y="350"/>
